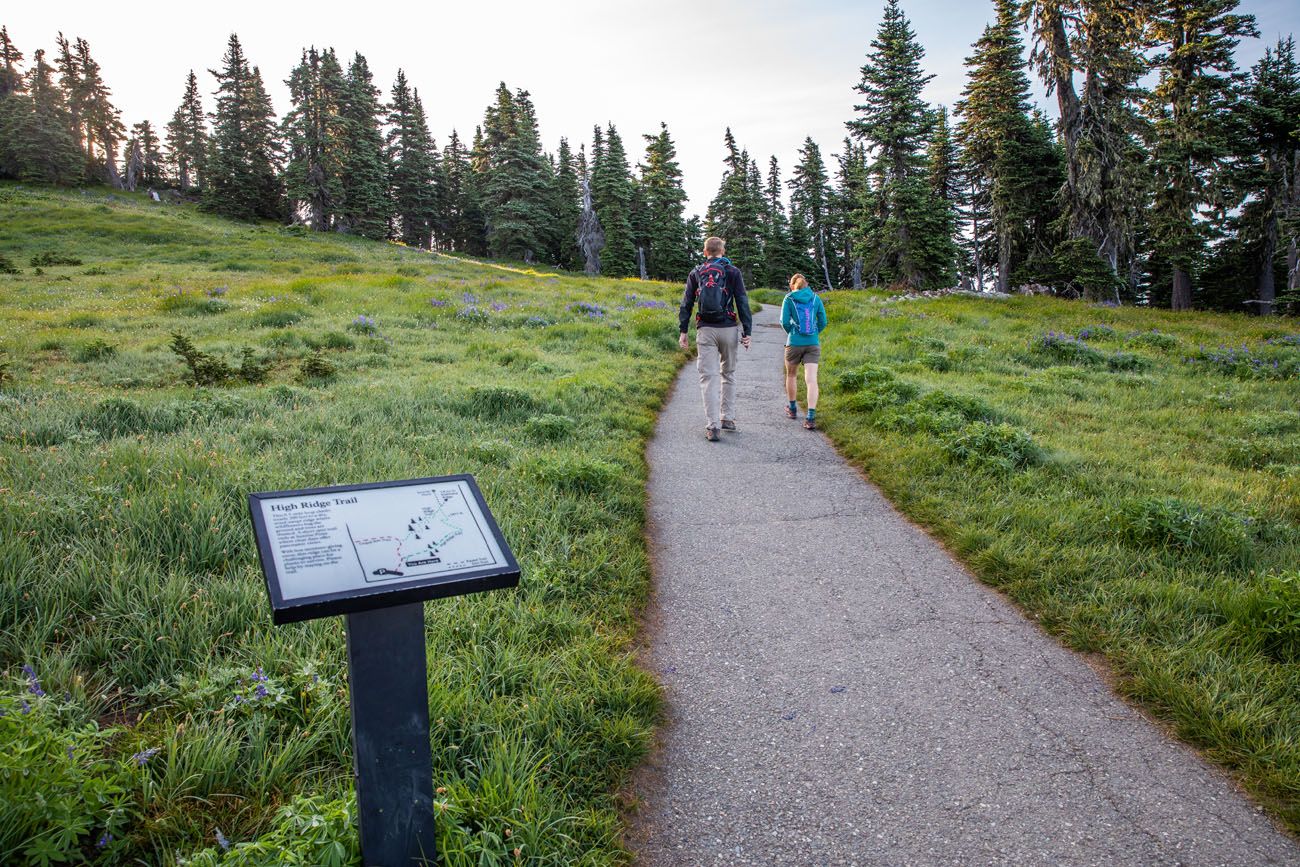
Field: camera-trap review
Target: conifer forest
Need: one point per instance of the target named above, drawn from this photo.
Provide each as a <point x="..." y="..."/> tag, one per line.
<point x="1167" y="177"/>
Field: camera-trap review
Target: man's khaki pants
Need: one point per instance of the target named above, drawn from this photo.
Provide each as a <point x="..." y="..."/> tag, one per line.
<point x="718" y="349"/>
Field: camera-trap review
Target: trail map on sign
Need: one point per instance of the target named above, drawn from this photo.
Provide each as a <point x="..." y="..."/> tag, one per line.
<point x="351" y="540"/>
<point x="426" y="544"/>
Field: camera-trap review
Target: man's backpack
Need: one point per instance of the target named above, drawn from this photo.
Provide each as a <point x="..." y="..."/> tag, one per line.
<point x="805" y="317"/>
<point x="711" y="291"/>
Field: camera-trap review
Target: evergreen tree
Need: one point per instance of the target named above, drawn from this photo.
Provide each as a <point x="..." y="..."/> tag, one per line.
<point x="1269" y="173"/>
<point x="518" y="178"/>
<point x="15" y="105"/>
<point x="243" y="149"/>
<point x="187" y="138"/>
<point x="1103" y="194"/>
<point x="565" y="205"/>
<point x="416" y="187"/>
<point x="1188" y="108"/>
<point x="904" y="234"/>
<point x="36" y="139"/>
<point x="316" y="135"/>
<point x="11" y="77"/>
<point x="611" y="194"/>
<point x="810" y="196"/>
<point x="1002" y="149"/>
<point x="851" y="193"/>
<point x="670" y="255"/>
<point x="946" y="188"/>
<point x="101" y="120"/>
<point x="736" y="212"/>
<point x="364" y="164"/>
<point x="151" y="155"/>
<point x="461" y="211"/>
<point x="780" y="259"/>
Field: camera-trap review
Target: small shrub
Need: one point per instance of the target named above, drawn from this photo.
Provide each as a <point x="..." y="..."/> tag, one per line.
<point x="549" y="427"/>
<point x="937" y="362"/>
<point x="337" y="340"/>
<point x="310" y="830"/>
<point x="7" y="265"/>
<point x="203" y="369"/>
<point x="1096" y="332"/>
<point x="1244" y="363"/>
<point x="1172" y="523"/>
<point x="875" y="389"/>
<point x="252" y="369"/>
<point x="1126" y="361"/>
<point x="993" y="446"/>
<point x="96" y="350"/>
<point x="316" y="367"/>
<point x="1153" y="338"/>
<point x="1062" y="348"/>
<point x="49" y="260"/>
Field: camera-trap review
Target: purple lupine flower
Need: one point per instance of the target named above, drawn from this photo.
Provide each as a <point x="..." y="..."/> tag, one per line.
<point x="261" y="691"/>
<point x="33" y="683"/>
<point x="438" y="302"/>
<point x="469" y="298"/>
<point x="498" y="306"/>
<point x="27" y="708"/>
<point x="103" y="841"/>
<point x="258" y="676"/>
<point x="222" y="841"/>
<point x="142" y="758"/>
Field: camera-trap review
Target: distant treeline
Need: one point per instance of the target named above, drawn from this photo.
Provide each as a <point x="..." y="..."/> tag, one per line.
<point x="1170" y="178"/>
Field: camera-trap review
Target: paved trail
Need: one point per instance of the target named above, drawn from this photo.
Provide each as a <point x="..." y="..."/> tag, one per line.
<point x="841" y="691"/>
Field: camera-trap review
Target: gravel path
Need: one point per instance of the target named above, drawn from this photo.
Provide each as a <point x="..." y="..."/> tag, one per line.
<point x="841" y="691"/>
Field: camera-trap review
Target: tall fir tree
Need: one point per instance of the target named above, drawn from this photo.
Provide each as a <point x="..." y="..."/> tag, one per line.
<point x="565" y="205"/>
<point x="611" y="194"/>
<point x="144" y="141"/>
<point x="902" y="234"/>
<point x="1104" y="192"/>
<point x="244" y="148"/>
<point x="1268" y="174"/>
<point x="1188" y="109"/>
<point x="458" y="193"/>
<point x="36" y="124"/>
<point x="736" y="212"/>
<point x="15" y="106"/>
<point x="780" y="259"/>
<point x="423" y="211"/>
<point x="187" y="138"/>
<point x="518" y="178"/>
<point x="851" y="190"/>
<point x="364" y="164"/>
<point x="315" y="135"/>
<point x="665" y="200"/>
<point x="101" y="119"/>
<point x="810" y="208"/>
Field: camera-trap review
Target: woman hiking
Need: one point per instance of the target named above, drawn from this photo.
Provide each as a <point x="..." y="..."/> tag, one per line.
<point x="803" y="316"/>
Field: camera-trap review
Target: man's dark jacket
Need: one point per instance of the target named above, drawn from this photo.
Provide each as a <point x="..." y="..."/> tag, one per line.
<point x="735" y="308"/>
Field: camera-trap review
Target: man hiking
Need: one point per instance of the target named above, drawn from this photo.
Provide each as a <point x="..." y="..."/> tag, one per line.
<point x="722" y="325"/>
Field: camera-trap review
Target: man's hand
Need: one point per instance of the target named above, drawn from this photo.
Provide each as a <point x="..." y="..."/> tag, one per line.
<point x="744" y="341"/>
<point x="683" y="342"/>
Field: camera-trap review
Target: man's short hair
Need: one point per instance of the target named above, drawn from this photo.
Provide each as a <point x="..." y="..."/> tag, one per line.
<point x="714" y="246"/>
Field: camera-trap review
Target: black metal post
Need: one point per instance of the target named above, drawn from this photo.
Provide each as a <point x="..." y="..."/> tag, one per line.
<point x="390" y="736"/>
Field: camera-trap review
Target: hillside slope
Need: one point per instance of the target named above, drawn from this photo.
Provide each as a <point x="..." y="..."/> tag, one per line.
<point x="160" y="712"/>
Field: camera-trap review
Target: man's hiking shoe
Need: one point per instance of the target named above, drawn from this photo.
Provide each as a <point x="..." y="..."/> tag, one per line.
<point x="711" y="434"/>
<point x="728" y="424"/>
<point x="810" y="424"/>
<point x="791" y="413"/>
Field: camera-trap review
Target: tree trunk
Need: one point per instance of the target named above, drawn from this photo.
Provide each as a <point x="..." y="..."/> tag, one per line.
<point x="1265" y="291"/>
<point x="975" y="229"/>
<point x="857" y="273"/>
<point x="1182" y="290"/>
<point x="1004" y="262"/>
<point x="821" y="248"/>
<point x="591" y="238"/>
<point x="640" y="262"/>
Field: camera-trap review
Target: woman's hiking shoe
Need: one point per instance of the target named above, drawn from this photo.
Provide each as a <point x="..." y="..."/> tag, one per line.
<point x="728" y="424"/>
<point x="791" y="413"/>
<point x="810" y="424"/>
<point x="711" y="434"/>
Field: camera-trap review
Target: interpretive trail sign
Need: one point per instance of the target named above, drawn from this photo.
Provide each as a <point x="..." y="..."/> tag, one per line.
<point x="351" y="548"/>
<point x="375" y="553"/>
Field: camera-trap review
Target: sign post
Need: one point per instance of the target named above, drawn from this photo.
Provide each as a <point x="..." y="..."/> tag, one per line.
<point x="375" y="553"/>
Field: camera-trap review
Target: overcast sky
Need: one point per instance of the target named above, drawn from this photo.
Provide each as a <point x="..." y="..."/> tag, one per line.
<point x="774" y="72"/>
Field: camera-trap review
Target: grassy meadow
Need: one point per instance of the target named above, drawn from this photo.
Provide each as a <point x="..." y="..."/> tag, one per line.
<point x="1131" y="478"/>
<point x="150" y="712"/>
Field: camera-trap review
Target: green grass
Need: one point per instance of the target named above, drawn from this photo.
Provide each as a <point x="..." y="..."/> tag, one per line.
<point x="128" y="579"/>
<point x="1136" y="490"/>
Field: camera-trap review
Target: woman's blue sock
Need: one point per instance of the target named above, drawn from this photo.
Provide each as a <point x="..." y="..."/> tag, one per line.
<point x="812" y="413"/>
<point x="794" y="406"/>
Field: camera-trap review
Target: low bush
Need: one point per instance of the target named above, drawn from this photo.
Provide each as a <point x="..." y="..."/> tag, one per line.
<point x="992" y="446"/>
<point x="316" y="367"/>
<point x="311" y="831"/>
<point x="1172" y="523"/>
<point x="49" y="260"/>
<point x="7" y="265"/>
<point x="1153" y="338"/>
<point x="95" y="350"/>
